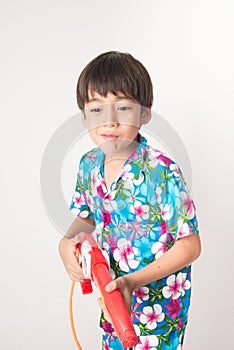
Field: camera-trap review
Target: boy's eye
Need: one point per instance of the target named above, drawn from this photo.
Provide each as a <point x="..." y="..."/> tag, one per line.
<point x="123" y="108"/>
<point x="95" y="110"/>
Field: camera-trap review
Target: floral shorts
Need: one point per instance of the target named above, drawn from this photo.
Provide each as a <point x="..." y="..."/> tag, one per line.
<point x="111" y="342"/>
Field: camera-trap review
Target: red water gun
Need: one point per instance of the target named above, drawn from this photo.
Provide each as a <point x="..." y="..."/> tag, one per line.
<point x="96" y="268"/>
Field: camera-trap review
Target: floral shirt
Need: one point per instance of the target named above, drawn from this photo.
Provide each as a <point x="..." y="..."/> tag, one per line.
<point x="138" y="219"/>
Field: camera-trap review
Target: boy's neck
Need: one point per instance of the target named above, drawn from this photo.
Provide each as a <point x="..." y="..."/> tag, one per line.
<point x="118" y="155"/>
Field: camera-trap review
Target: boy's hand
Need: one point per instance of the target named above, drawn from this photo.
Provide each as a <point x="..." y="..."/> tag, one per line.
<point x="124" y="285"/>
<point x="67" y="250"/>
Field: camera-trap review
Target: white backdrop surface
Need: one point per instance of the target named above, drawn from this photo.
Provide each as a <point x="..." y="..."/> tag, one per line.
<point x="187" y="47"/>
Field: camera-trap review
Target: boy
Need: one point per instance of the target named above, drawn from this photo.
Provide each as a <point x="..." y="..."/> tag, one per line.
<point x="137" y="200"/>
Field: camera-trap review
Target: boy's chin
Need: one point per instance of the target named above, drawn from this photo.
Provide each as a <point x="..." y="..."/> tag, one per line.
<point x="118" y="147"/>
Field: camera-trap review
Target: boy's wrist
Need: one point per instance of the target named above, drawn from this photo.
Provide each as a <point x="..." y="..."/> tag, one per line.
<point x="143" y="276"/>
<point x="134" y="280"/>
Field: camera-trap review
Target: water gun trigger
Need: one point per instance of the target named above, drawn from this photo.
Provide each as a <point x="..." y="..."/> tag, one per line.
<point x="85" y="263"/>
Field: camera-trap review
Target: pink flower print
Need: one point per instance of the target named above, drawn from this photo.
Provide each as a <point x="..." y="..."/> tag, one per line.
<point x="107" y="327"/>
<point x="184" y="283"/>
<point x="107" y="347"/>
<point x="166" y="211"/>
<point x="183" y="229"/>
<point x="160" y="247"/>
<point x="188" y="205"/>
<point x="180" y="324"/>
<point x="92" y="156"/>
<point x="174" y="169"/>
<point x="141" y="294"/>
<point x="173" y="288"/>
<point x="133" y="155"/>
<point x="151" y="316"/>
<point x="111" y="241"/>
<point x="97" y="182"/>
<point x="100" y="191"/>
<point x="173" y="308"/>
<point x="109" y="203"/>
<point x="94" y="179"/>
<point x="154" y="158"/>
<point x="163" y="160"/>
<point x="134" y="226"/>
<point x="147" y="343"/>
<point x="164" y="227"/>
<point x="78" y="199"/>
<point x="107" y="342"/>
<point x="109" y="196"/>
<point x="140" y="210"/>
<point x="106" y="218"/>
<point x="125" y="254"/>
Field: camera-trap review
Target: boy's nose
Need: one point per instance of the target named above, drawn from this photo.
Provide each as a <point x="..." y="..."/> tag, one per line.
<point x="111" y="116"/>
<point x="111" y="124"/>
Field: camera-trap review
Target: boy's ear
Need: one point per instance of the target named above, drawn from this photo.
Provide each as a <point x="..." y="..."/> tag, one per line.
<point x="146" y="116"/>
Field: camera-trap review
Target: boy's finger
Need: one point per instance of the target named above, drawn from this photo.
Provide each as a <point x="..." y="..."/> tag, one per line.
<point x="75" y="274"/>
<point x="74" y="277"/>
<point x="100" y="303"/>
<point x="111" y="286"/>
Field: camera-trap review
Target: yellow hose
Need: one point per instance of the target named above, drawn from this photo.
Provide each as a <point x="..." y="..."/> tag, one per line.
<point x="71" y="317"/>
<point x="71" y="311"/>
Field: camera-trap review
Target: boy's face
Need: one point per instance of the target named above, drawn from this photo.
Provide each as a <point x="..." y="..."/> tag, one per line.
<point x="113" y="121"/>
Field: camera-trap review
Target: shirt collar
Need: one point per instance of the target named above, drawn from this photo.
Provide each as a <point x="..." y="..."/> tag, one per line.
<point x="140" y="150"/>
<point x="137" y="157"/>
<point x="137" y="160"/>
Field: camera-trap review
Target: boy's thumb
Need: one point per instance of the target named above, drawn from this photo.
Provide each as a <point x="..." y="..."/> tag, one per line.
<point x="111" y="286"/>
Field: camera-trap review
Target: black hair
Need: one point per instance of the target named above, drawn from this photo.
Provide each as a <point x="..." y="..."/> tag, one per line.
<point x="115" y="72"/>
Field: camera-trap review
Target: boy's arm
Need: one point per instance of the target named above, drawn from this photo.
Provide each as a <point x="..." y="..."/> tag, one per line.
<point x="80" y="225"/>
<point x="183" y="253"/>
<point x="67" y="247"/>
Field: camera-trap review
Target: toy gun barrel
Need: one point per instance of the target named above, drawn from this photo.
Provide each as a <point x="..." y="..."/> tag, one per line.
<point x="114" y="302"/>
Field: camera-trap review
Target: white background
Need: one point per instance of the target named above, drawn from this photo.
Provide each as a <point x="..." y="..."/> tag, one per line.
<point x="187" y="47"/>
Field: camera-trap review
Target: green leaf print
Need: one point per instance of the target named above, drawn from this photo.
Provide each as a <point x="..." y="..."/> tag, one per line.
<point x="162" y="338"/>
<point x="143" y="330"/>
<point x="161" y="174"/>
<point x="155" y="215"/>
<point x="116" y="268"/>
<point x="155" y="294"/>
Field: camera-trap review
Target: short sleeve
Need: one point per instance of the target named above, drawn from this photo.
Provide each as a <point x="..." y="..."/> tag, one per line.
<point x="79" y="204"/>
<point x="177" y="207"/>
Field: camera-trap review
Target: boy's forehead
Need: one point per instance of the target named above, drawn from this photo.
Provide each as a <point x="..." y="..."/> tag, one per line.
<point x="94" y="96"/>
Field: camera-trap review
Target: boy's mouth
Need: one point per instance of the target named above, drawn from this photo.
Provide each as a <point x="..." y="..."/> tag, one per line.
<point x="108" y="137"/>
